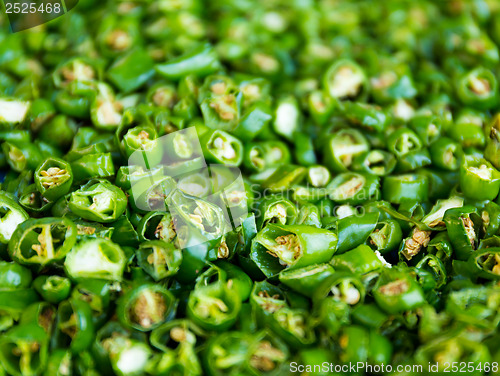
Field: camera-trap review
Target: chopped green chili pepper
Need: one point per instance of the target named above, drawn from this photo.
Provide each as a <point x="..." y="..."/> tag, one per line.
<point x="342" y="147"/>
<point x="221" y="147"/>
<point x="146" y="307"/>
<point x="214" y="307"/>
<point x="353" y="230"/>
<point x="24" y="350"/>
<point x="353" y="188"/>
<point x="199" y="62"/>
<point x="478" y="88"/>
<point x="345" y="80"/>
<point x="53" y="178"/>
<point x="462" y="225"/>
<point x="12" y="216"/>
<point x="53" y="289"/>
<point x="341" y="287"/>
<point x="386" y="236"/>
<point x="361" y="260"/>
<point x="95" y="258"/>
<point x="479" y="180"/>
<point x="42" y="241"/>
<point x="397" y="291"/>
<point x="99" y="201"/>
<point x="244" y="188"/>
<point x="159" y="259"/>
<point x="74" y="321"/>
<point x="293" y="246"/>
<point x="398" y="188"/>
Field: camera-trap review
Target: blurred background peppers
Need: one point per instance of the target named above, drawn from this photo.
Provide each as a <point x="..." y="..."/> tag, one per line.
<point x="367" y="137"/>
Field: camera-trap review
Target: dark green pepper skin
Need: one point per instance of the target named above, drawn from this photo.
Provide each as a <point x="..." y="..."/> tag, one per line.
<point x="53" y="178"/>
<point x="33" y="202"/>
<point x="304" y="150"/>
<point x="96" y="293"/>
<point x="369" y="315"/>
<point x="14" y="276"/>
<point x="370" y="117"/>
<point x="491" y="219"/>
<point x="41" y="314"/>
<point x="276" y="210"/>
<point x="22" y="156"/>
<point x="58" y="237"/>
<point x="397" y="189"/>
<point x="200" y="62"/>
<point x="254" y="120"/>
<point x="439" y="181"/>
<point x="354" y="230"/>
<point x="316" y="246"/>
<point x="441" y="246"/>
<point x="74" y="320"/>
<point x="79" y="201"/>
<point x="333" y="314"/>
<point x="462" y="225"/>
<point x="397" y="291"/>
<point x="61" y="125"/>
<point x="72" y="105"/>
<point x="446" y="154"/>
<point x="413" y="160"/>
<point x="53" y="289"/>
<point x="355" y="342"/>
<point x="484" y="263"/>
<point x="92" y="165"/>
<point x="13" y="302"/>
<point x="15" y="292"/>
<point x="360" y="260"/>
<point x="492" y="150"/>
<point x="159" y="259"/>
<point x="386" y="236"/>
<point x="471" y="98"/>
<point x="306" y="279"/>
<point x="380" y="349"/>
<point x="479" y="180"/>
<point x="131" y="71"/>
<point x="431" y="264"/>
<point x="33" y="342"/>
